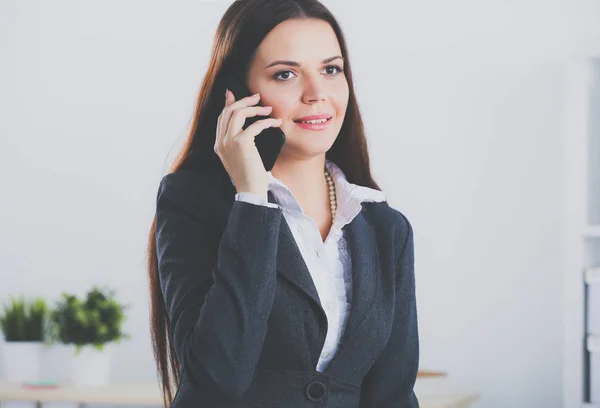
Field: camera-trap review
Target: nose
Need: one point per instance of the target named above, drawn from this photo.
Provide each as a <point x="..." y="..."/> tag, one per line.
<point x="313" y="92"/>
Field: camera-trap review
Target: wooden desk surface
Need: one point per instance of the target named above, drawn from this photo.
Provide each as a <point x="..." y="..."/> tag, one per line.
<point x="447" y="400"/>
<point x="121" y="394"/>
<point x="149" y="394"/>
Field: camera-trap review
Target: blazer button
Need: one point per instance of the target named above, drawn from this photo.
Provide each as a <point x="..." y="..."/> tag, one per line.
<point x="315" y="391"/>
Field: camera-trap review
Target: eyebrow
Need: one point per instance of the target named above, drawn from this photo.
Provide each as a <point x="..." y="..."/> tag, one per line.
<point x="295" y="64"/>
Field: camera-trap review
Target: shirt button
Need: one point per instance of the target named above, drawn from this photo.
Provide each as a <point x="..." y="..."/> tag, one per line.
<point x="324" y="355"/>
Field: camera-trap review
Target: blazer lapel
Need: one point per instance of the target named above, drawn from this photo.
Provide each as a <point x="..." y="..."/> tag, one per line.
<point x="290" y="263"/>
<point x="365" y="275"/>
<point x="365" y="282"/>
<point x="365" y="270"/>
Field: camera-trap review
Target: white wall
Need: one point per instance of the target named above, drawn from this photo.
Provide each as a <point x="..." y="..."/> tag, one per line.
<point x="463" y="104"/>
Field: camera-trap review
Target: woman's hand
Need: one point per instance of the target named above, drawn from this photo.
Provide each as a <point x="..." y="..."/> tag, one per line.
<point x="235" y="147"/>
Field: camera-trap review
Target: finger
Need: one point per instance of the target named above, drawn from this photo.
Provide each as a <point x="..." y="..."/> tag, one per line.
<point x="238" y="118"/>
<point x="242" y="103"/>
<point x="254" y="129"/>
<point x="229" y="99"/>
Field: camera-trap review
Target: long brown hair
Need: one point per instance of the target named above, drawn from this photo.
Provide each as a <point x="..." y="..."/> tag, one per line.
<point x="240" y="31"/>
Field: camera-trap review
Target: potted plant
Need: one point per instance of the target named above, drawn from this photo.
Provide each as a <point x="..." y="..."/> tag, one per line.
<point x="90" y="325"/>
<point x="23" y="324"/>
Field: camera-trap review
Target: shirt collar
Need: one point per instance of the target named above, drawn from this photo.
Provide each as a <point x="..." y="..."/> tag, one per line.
<point x="349" y="196"/>
<point x="349" y="191"/>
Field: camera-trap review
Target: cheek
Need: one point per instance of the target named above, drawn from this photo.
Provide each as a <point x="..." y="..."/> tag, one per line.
<point x="340" y="98"/>
<point x="282" y="106"/>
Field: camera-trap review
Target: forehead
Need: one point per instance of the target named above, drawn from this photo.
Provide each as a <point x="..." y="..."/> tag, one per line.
<point x="302" y="40"/>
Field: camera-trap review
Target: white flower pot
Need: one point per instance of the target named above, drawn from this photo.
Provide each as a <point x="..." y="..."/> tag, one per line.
<point x="55" y="362"/>
<point x="91" y="367"/>
<point x="21" y="361"/>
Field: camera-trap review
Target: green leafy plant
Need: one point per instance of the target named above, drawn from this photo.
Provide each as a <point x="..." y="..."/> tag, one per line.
<point x="24" y="320"/>
<point x="95" y="321"/>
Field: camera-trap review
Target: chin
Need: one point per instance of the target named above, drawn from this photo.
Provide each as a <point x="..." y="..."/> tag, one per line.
<point x="310" y="143"/>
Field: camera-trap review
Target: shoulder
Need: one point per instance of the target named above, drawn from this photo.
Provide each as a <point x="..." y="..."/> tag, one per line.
<point x="191" y="191"/>
<point x="388" y="217"/>
<point x="183" y="182"/>
<point x="392" y="223"/>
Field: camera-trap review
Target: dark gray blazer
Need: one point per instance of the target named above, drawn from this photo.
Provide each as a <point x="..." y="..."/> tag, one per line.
<point x="246" y="321"/>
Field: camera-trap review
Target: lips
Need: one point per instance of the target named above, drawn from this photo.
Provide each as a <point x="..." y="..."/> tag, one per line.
<point x="313" y="117"/>
<point x="314" y="126"/>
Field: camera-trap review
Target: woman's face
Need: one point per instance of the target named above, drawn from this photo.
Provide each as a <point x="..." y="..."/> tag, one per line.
<point x="297" y="73"/>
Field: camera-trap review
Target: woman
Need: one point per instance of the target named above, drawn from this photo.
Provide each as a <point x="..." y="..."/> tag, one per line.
<point x="293" y="287"/>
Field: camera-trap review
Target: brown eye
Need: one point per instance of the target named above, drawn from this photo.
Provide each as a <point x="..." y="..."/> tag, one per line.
<point x="337" y="67"/>
<point x="278" y="75"/>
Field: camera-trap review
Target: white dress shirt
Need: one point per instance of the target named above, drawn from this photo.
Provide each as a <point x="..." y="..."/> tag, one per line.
<point x="329" y="262"/>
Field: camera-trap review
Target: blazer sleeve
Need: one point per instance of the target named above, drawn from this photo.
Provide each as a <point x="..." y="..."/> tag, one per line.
<point x="390" y="381"/>
<point x="218" y="288"/>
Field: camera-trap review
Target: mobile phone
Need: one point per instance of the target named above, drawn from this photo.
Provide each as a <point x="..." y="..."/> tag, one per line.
<point x="269" y="141"/>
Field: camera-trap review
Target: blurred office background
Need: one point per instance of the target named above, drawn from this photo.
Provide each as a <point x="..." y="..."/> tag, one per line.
<point x="466" y="107"/>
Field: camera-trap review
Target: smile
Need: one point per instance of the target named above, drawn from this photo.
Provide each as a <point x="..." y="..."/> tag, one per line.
<point x="314" y="124"/>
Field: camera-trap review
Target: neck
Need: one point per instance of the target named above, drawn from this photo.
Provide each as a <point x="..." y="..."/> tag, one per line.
<point x="306" y="180"/>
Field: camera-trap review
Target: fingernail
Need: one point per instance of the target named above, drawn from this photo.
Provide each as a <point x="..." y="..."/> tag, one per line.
<point x="226" y="91"/>
<point x="255" y="95"/>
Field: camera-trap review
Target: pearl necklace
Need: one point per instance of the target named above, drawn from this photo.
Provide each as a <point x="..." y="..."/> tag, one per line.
<point x="332" y="197"/>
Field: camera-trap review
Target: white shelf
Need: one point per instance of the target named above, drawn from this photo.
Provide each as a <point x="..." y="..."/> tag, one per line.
<point x="582" y="150"/>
